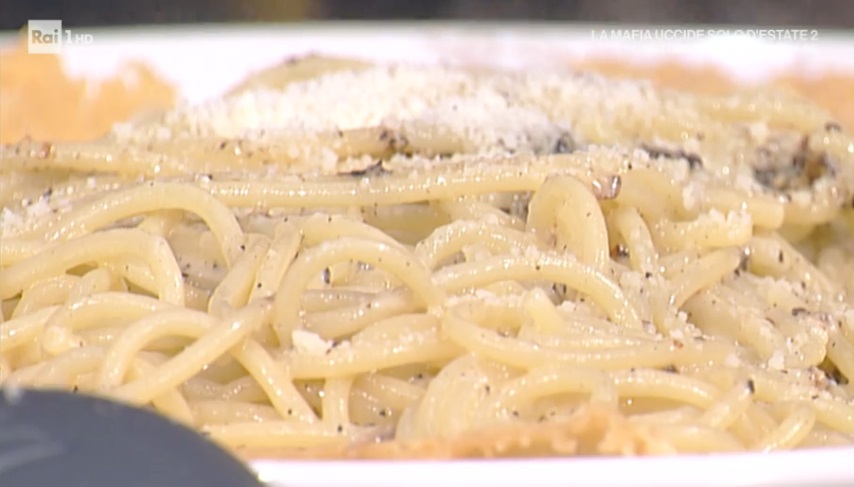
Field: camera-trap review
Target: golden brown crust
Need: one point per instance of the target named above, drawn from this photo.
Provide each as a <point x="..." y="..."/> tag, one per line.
<point x="831" y="91"/>
<point x="42" y="102"/>
<point x="589" y="431"/>
<point x="293" y="70"/>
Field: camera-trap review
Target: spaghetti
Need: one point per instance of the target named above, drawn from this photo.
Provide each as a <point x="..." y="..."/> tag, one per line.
<point x="400" y="261"/>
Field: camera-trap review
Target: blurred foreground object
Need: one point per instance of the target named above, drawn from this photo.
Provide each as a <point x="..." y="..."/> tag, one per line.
<point x="52" y="437"/>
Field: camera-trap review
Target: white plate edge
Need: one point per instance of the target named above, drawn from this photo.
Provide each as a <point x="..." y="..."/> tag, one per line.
<point x="181" y="53"/>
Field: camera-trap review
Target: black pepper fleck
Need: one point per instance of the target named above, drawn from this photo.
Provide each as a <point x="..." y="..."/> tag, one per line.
<point x="564" y="144"/>
<point x="832" y="127"/>
<point x="619" y="251"/>
<point x="694" y="161"/>
<point x="373" y="170"/>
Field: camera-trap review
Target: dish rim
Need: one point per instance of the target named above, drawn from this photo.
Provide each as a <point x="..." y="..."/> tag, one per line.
<point x="817" y="467"/>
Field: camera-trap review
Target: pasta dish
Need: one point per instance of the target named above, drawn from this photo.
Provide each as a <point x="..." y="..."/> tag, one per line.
<point x="338" y="259"/>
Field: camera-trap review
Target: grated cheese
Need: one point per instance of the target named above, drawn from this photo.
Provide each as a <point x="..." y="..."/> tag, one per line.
<point x="11" y="222"/>
<point x="776" y="362"/>
<point x="310" y="343"/>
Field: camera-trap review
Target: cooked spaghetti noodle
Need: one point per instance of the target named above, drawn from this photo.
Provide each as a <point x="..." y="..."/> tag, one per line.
<point x="401" y="261"/>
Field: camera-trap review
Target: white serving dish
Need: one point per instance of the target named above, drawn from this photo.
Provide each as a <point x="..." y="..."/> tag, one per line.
<point x="204" y="61"/>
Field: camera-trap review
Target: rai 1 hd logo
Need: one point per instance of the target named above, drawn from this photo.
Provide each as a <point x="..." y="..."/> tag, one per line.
<point x="48" y="37"/>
